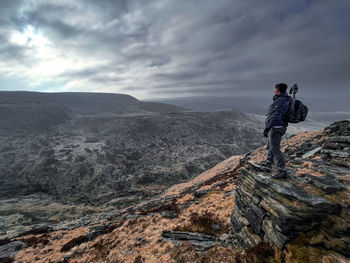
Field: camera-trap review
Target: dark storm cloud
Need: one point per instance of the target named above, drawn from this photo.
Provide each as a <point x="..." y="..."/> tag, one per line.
<point x="81" y="73"/>
<point x="104" y="80"/>
<point x="60" y="29"/>
<point x="9" y="6"/>
<point x="51" y="18"/>
<point x="178" y="76"/>
<point x="13" y="53"/>
<point x="170" y="48"/>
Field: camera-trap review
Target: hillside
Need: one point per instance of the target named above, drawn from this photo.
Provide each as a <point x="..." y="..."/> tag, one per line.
<point x="234" y="212"/>
<point x="28" y="112"/>
<point x="93" y="160"/>
<point x="55" y="169"/>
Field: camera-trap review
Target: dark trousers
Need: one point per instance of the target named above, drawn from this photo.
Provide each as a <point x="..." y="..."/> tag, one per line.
<point x="274" y="154"/>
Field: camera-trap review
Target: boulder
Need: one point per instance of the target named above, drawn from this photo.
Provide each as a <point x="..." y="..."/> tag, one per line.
<point x="200" y="241"/>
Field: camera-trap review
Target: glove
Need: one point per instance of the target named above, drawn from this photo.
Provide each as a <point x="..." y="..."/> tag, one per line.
<point x="266" y="131"/>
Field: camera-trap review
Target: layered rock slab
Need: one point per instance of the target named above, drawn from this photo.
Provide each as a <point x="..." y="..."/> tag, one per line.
<point x="279" y="211"/>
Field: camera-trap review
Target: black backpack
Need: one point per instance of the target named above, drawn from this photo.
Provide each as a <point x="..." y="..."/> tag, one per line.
<point x="297" y="111"/>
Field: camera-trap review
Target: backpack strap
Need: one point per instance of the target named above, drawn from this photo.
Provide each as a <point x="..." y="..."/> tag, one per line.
<point x="290" y="113"/>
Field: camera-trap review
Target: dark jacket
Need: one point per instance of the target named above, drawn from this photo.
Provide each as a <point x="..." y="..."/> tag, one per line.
<point x="277" y="111"/>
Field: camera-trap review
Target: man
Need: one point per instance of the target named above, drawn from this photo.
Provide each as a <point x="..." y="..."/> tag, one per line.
<point x="276" y="127"/>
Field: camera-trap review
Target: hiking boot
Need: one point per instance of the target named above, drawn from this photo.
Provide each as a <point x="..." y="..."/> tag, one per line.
<point x="265" y="164"/>
<point x="281" y="174"/>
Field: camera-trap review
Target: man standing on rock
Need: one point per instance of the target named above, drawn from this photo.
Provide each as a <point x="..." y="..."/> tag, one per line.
<point x="276" y="127"/>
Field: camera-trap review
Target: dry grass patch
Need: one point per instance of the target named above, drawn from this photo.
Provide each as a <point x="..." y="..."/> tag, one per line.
<point x="206" y="222"/>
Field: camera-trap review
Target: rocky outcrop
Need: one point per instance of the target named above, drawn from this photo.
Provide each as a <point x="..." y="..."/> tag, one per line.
<point x="315" y="195"/>
<point x="276" y="211"/>
<point x="10" y="249"/>
<point x="201" y="241"/>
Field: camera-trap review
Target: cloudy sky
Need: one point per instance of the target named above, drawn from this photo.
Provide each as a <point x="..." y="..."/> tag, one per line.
<point x="175" y="48"/>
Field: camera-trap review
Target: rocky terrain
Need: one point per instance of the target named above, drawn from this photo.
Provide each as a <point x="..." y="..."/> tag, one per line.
<point x="69" y="155"/>
<point x="234" y="212"/>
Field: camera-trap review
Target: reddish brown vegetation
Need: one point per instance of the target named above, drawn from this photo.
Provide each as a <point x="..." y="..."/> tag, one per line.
<point x="74" y="242"/>
<point x="35" y="241"/>
<point x="139" y="259"/>
<point x="6" y="260"/>
<point x="207" y="223"/>
<point x="186" y="252"/>
<point x="257" y="254"/>
<point x="171" y="207"/>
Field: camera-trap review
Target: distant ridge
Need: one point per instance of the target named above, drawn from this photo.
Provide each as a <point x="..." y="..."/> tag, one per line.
<point x="87" y="102"/>
<point x="36" y="110"/>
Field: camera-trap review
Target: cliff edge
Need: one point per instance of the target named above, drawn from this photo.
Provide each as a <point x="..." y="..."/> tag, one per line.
<point x="308" y="210"/>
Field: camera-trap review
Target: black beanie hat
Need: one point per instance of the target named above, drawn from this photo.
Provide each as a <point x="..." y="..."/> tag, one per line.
<point x="282" y="87"/>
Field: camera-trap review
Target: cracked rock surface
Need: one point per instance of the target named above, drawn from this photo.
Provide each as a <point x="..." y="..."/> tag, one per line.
<point x="315" y="193"/>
